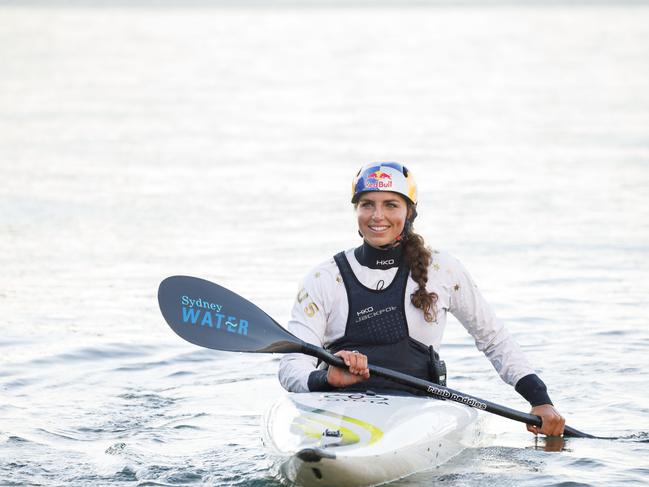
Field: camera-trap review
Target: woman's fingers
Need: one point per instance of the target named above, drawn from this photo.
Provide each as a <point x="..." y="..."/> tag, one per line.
<point x="356" y="362"/>
<point x="553" y="422"/>
<point x="360" y="363"/>
<point x="556" y="426"/>
<point x="355" y="372"/>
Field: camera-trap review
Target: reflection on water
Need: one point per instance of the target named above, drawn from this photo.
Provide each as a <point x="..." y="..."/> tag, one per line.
<point x="549" y="443"/>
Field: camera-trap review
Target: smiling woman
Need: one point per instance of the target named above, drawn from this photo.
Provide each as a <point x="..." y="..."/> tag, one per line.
<point x="386" y="302"/>
<point x="381" y="217"/>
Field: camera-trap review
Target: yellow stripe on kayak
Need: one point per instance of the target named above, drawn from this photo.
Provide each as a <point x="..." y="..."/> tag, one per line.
<point x="348" y="438"/>
<point x="307" y="430"/>
<point x="375" y="433"/>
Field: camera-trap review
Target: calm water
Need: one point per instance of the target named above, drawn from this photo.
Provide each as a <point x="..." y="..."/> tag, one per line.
<point x="137" y="143"/>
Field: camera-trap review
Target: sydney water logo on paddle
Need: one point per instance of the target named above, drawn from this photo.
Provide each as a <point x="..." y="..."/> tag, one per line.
<point x="205" y="313"/>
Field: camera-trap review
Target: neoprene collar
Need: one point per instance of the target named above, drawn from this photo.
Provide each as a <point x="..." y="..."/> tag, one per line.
<point x="374" y="258"/>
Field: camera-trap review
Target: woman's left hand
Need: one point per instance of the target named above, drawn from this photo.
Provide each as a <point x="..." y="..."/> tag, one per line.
<point x="553" y="422"/>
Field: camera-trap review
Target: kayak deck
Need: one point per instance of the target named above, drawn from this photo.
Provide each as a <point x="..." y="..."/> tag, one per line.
<point x="356" y="439"/>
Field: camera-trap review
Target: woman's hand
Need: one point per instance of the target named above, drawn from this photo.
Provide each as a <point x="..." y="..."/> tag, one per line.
<point x="553" y="422"/>
<point x="357" y="370"/>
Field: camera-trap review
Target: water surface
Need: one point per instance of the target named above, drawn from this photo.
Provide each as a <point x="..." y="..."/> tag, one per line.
<point x="142" y="142"/>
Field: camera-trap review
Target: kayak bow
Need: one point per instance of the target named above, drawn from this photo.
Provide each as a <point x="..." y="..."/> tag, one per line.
<point x="339" y="439"/>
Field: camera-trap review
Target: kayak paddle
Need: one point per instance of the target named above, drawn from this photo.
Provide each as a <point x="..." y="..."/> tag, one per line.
<point x="211" y="316"/>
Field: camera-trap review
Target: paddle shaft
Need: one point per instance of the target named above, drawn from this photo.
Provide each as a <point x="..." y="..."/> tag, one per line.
<point x="439" y="391"/>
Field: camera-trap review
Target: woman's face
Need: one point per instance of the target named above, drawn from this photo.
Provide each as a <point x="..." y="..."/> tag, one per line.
<point x="381" y="216"/>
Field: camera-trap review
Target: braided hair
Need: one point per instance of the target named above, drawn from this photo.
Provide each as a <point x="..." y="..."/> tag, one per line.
<point x="418" y="257"/>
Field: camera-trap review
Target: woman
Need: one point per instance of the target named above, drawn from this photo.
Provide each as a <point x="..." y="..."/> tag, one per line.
<point x="386" y="302"/>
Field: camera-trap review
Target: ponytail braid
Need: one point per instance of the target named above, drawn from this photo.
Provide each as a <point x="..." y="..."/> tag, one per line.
<point x="418" y="257"/>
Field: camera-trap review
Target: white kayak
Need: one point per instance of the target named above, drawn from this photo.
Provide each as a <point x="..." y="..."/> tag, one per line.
<point x="354" y="439"/>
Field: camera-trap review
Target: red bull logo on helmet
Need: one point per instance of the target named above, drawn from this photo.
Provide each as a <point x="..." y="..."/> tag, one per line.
<point x="384" y="176"/>
<point x="378" y="180"/>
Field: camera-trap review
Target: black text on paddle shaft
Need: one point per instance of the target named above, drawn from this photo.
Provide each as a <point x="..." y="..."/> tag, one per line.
<point x="469" y="401"/>
<point x="205" y="313"/>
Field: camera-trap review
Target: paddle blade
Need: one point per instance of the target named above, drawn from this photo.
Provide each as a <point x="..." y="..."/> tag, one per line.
<point x="208" y="315"/>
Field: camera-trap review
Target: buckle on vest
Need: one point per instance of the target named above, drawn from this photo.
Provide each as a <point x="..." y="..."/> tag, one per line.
<point x="437" y="367"/>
